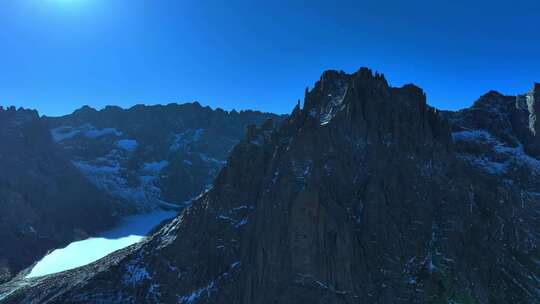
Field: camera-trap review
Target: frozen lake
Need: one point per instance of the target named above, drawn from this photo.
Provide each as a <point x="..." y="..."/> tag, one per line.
<point x="131" y="230"/>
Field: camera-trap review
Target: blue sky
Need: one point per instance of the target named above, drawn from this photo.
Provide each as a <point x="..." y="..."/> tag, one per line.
<point x="57" y="55"/>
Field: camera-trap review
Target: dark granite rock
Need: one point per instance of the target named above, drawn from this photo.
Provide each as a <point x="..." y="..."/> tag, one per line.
<point x="367" y="195"/>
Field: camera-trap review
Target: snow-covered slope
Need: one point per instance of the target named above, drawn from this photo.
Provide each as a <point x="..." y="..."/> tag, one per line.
<point x="149" y="156"/>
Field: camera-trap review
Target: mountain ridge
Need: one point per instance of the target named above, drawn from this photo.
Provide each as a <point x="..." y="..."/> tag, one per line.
<point x="373" y="196"/>
<point x="90" y="109"/>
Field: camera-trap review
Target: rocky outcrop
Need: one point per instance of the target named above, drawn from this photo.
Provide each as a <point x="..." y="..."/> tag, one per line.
<point x="44" y="201"/>
<point x="527" y="109"/>
<point x="366" y="195"/>
<point x="513" y="119"/>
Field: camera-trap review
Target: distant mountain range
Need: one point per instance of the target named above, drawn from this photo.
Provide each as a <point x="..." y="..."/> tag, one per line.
<point x="65" y="178"/>
<point x="152" y="155"/>
<point x="366" y="194"/>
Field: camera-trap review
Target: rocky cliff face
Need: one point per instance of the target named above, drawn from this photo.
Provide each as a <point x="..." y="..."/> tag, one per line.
<point x="44" y="200"/>
<point x="149" y="156"/>
<point x="366" y="195"/>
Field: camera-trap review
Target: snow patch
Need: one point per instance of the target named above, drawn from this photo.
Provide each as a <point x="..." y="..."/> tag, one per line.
<point x="302" y="169"/>
<point x="242" y="222"/>
<point x="473" y="135"/>
<point x="197" y="294"/>
<point x="66" y="132"/>
<point x="155" y="166"/>
<point x="335" y="103"/>
<point x="95" y="133"/>
<point x="209" y="159"/>
<point x="62" y="133"/>
<point x="129" y="145"/>
<point x="514" y="155"/>
<point x="135" y="273"/>
<point x="105" y="173"/>
<point x="229" y="216"/>
<point x="184" y="139"/>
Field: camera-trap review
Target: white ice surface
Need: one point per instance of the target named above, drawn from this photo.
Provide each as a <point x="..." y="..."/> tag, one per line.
<point x="127" y="144"/>
<point x="131" y="230"/>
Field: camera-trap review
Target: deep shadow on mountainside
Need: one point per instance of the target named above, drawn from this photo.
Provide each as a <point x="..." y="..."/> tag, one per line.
<point x="66" y="178"/>
<point x="364" y="195"/>
<point x="44" y="201"/>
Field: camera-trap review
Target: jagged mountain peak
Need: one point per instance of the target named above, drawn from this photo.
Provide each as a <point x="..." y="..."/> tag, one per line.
<point x="329" y="95"/>
<point x="492" y="94"/>
<point x="536" y="87"/>
<point x="337" y="91"/>
<point x="494" y="100"/>
<point x="531" y="98"/>
<point x="374" y="111"/>
<point x="21" y="114"/>
<point x="85" y="109"/>
<point x="373" y="206"/>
